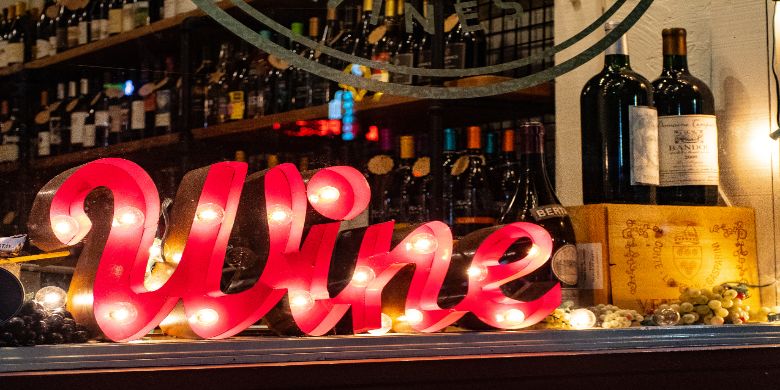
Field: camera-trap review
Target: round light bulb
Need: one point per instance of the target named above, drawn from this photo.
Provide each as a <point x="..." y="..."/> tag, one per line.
<point x="533" y="251"/>
<point x="363" y="276"/>
<point x="301" y="300"/>
<point x="65" y="227"/>
<point x="326" y="194"/>
<point x="387" y="324"/>
<point x="128" y="217"/>
<point x="209" y="213"/>
<point x="279" y="215"/>
<point x="176" y="258"/>
<point x="477" y="272"/>
<point x="51" y="297"/>
<point x="422" y="243"/>
<point x="511" y="318"/>
<point x="122" y="313"/>
<point x="205" y="317"/>
<point x="413" y="316"/>
<point x="155" y="250"/>
<point x="582" y="319"/>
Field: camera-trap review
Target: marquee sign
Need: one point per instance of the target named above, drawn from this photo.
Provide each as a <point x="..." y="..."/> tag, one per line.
<point x="466" y="11"/>
<point x="293" y="221"/>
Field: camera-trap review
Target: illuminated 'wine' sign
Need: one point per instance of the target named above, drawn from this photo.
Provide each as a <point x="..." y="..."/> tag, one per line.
<point x="293" y="222"/>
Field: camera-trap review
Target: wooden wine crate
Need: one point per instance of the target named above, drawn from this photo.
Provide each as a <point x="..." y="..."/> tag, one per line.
<point x="638" y="256"/>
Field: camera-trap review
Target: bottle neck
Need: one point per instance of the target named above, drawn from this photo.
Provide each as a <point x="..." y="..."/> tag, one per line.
<point x="676" y="62"/>
<point x="531" y="152"/>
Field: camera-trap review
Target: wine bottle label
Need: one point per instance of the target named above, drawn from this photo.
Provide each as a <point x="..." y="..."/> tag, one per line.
<point x="90" y="134"/>
<point x="137" y="115"/>
<point x="277" y="63"/>
<point x="564" y="264"/>
<point x="222" y="108"/>
<point x="688" y="150"/>
<point x="42" y="117"/>
<point x="115" y="21"/>
<point x="115" y="115"/>
<point x="83" y="33"/>
<point x="460" y="166"/>
<point x="380" y="165"/>
<point x="542" y="213"/>
<point x="141" y="13"/>
<point x="377" y="34"/>
<point x="102" y="118"/>
<point x="128" y="17"/>
<point x="150" y="103"/>
<point x="53" y="44"/>
<point x="406" y="59"/>
<point x="62" y="38"/>
<point x="72" y="105"/>
<point x="55" y="124"/>
<point x="44" y="143"/>
<point x="73" y="36"/>
<point x="77" y="122"/>
<point x="42" y="48"/>
<point x="455" y="56"/>
<point x="451" y="22"/>
<point x="9" y="152"/>
<point x="3" y="58"/>
<point x="591" y="266"/>
<point x="421" y="167"/>
<point x="163" y="116"/>
<point x="14" y="53"/>
<point x="183" y="6"/>
<point x="169" y="8"/>
<point x="474" y="220"/>
<point x="97" y="29"/>
<point x="643" y="132"/>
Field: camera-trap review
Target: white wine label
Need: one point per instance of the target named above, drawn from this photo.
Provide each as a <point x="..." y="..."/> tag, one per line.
<point x="564" y="264"/>
<point x="102" y="118"/>
<point x="380" y="165"/>
<point x="162" y="120"/>
<point x="73" y="36"/>
<point x="11" y="246"/>
<point x="115" y="113"/>
<point x="83" y="33"/>
<point x="460" y="166"/>
<point x="169" y="8"/>
<point x="90" y="133"/>
<point x="9" y="152"/>
<point x="77" y="122"/>
<point x="128" y="17"/>
<point x="44" y="143"/>
<point x="688" y="147"/>
<point x="451" y="22"/>
<point x="6" y="126"/>
<point x="137" y="119"/>
<point x="183" y="6"/>
<point x="591" y="267"/>
<point x="115" y="21"/>
<point x="14" y="53"/>
<point x="43" y="48"/>
<point x="549" y="211"/>
<point x="377" y="34"/>
<point x="421" y="167"/>
<point x="643" y="132"/>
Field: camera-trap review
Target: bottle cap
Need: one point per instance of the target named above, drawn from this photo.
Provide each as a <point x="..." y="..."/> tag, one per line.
<point x="508" y="144"/>
<point x="385" y="140"/>
<point x="368" y="5"/>
<point x="314" y="27"/>
<point x="297" y="28"/>
<point x="407" y="147"/>
<point x="490" y="143"/>
<point x="675" y="41"/>
<point x="390" y="9"/>
<point x="332" y="14"/>
<point x="401" y="8"/>
<point x="450" y="140"/>
<point x="272" y="160"/>
<point x="240" y="156"/>
<point x="265" y="34"/>
<point x="610" y="25"/>
<point x="474" y="139"/>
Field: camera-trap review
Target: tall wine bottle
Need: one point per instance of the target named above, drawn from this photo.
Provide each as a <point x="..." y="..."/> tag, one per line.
<point x="42" y="126"/>
<point x="472" y="197"/>
<point x="687" y="129"/>
<point x="449" y="157"/>
<point x="505" y="170"/>
<point x="402" y="190"/>
<point x="619" y="132"/>
<point x="535" y="201"/>
<point x="378" y="171"/>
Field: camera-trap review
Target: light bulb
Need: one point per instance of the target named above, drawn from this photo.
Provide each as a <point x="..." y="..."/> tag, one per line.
<point x="176" y="258"/>
<point x="326" y="194"/>
<point x="209" y="213"/>
<point x="83" y="299"/>
<point x="387" y="324"/>
<point x="363" y="276"/>
<point x="422" y="243"/>
<point x="511" y="318"/>
<point x="205" y="317"/>
<point x="477" y="272"/>
<point x="65" y="227"/>
<point x="122" y="313"/>
<point x="279" y="215"/>
<point x="128" y="216"/>
<point x="533" y="251"/>
<point x="301" y="300"/>
<point x="155" y="251"/>
<point x="413" y="316"/>
<point x="51" y="297"/>
<point x="582" y="319"/>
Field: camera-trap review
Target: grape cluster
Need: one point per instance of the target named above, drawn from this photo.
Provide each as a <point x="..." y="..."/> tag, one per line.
<point x="34" y="325"/>
<point x="559" y="318"/>
<point x="613" y="317"/>
<point x="716" y="306"/>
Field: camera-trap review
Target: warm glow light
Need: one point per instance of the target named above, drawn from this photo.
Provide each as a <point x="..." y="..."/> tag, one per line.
<point x="413" y="316"/>
<point x="122" y="313"/>
<point x="128" y="217"/>
<point x="387" y="324"/>
<point x="279" y="215"/>
<point x="326" y="194"/>
<point x="51" y="297"/>
<point x="582" y="319"/>
<point x="422" y="243"/>
<point x="477" y="272"/>
<point x="65" y="227"/>
<point x="301" y="300"/>
<point x="83" y="299"/>
<point x="155" y="250"/>
<point x="363" y="276"/>
<point x="511" y="318"/>
<point x="533" y="251"/>
<point x="209" y="213"/>
<point x="205" y="317"/>
<point x="176" y="258"/>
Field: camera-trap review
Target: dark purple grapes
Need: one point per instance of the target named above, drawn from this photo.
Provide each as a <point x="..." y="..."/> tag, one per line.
<point x="80" y="336"/>
<point x="15" y="325"/>
<point x="6" y="337"/>
<point x="55" y="338"/>
<point x="55" y="322"/>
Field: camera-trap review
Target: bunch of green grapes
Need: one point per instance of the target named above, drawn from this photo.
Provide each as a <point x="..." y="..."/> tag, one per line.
<point x="613" y="317"/>
<point x="717" y="306"/>
<point x="559" y="318"/>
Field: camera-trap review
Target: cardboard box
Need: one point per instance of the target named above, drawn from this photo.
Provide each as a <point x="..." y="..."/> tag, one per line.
<point x="638" y="256"/>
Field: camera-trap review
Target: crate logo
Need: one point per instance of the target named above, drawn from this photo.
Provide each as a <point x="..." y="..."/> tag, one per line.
<point x="688" y="252"/>
<point x="466" y="12"/>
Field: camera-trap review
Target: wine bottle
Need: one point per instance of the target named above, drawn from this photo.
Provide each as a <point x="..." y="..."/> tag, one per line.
<point x="12" y="130"/>
<point x="345" y="39"/>
<point x="148" y="91"/>
<point x="361" y="46"/>
<point x="378" y="171"/>
<point x="84" y="22"/>
<point x="167" y="99"/>
<point x="279" y="81"/>
<point x="258" y="94"/>
<point x="535" y="201"/>
<point x="403" y="188"/>
<point x="115" y="16"/>
<point x="236" y="87"/>
<point x="73" y="28"/>
<point x="423" y="49"/>
<point x="302" y="79"/>
<point x="200" y="82"/>
<point x="4" y="27"/>
<point x="68" y="105"/>
<point x="137" y="113"/>
<point x="449" y="157"/>
<point x="45" y="31"/>
<point x="118" y="110"/>
<point x="102" y="116"/>
<point x="505" y="171"/>
<point x="491" y="150"/>
<point x="141" y="13"/>
<point x="404" y="51"/>
<point x="99" y="20"/>
<point x="42" y="126"/>
<point x="78" y="117"/>
<point x="169" y="8"/>
<point x="56" y="110"/>
<point x="463" y="48"/>
<point x="619" y="132"/>
<point x="472" y="197"/>
<point x="15" y="49"/>
<point x="687" y="129"/>
<point x="385" y="40"/>
<point x="128" y="15"/>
